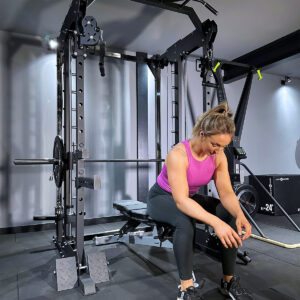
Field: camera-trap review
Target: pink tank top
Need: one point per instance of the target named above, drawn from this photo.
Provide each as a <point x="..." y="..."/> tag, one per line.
<point x="198" y="172"/>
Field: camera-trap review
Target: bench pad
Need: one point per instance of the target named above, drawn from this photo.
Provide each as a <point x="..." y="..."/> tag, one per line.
<point x="133" y="208"/>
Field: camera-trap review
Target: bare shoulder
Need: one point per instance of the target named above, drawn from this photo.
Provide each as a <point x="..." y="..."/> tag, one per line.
<point x="220" y="159"/>
<point x="177" y="155"/>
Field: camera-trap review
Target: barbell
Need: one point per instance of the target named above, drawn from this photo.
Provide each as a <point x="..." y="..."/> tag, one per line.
<point x="59" y="161"/>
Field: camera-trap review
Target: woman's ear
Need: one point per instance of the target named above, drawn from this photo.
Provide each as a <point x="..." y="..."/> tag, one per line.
<point x="201" y="134"/>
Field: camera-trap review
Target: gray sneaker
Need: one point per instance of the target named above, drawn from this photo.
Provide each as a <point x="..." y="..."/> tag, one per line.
<point x="234" y="290"/>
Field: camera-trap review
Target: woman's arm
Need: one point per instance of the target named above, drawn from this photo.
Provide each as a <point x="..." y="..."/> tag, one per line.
<point x="177" y="163"/>
<point x="227" y="195"/>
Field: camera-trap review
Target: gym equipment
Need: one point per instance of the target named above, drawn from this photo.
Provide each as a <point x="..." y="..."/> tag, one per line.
<point x="80" y="36"/>
<point x="58" y="161"/>
<point x="158" y="234"/>
<point x="248" y="197"/>
<point x="234" y="152"/>
<point x="283" y="187"/>
<point x="273" y="199"/>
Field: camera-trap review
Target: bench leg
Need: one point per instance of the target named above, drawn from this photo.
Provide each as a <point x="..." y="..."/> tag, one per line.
<point x="129" y="226"/>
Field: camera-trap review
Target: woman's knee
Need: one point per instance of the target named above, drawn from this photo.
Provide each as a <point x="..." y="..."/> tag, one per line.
<point x="186" y="225"/>
<point x="225" y="216"/>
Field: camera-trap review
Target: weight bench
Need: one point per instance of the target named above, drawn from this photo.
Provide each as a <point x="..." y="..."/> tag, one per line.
<point x="141" y="229"/>
<point x="136" y="211"/>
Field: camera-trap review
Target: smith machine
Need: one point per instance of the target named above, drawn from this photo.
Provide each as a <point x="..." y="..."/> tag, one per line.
<point x="79" y="37"/>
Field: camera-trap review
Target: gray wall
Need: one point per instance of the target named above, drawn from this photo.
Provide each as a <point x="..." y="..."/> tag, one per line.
<point x="271" y="129"/>
<point x="28" y="127"/>
<point x="110" y="133"/>
<point x="27" y="104"/>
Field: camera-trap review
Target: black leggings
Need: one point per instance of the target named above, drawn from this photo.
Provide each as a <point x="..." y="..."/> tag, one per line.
<point x="162" y="208"/>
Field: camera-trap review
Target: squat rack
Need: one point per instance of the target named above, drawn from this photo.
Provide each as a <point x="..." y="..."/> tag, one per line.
<point x="79" y="34"/>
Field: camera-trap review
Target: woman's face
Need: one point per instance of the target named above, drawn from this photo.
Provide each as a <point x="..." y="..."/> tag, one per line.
<point x="215" y="143"/>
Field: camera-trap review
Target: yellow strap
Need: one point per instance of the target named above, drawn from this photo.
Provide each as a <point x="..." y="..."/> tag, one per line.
<point x="216" y="67"/>
<point x="259" y="75"/>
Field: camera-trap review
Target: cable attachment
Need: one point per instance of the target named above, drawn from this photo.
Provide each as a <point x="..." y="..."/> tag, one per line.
<point x="210" y="54"/>
<point x="206" y="63"/>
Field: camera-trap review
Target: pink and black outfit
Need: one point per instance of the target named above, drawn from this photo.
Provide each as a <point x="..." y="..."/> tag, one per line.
<point x="198" y="173"/>
<point x="162" y="208"/>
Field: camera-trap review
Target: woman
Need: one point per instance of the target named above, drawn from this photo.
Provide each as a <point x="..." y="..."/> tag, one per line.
<point x="173" y="200"/>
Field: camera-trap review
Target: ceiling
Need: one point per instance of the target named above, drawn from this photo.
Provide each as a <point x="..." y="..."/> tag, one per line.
<point x="243" y="25"/>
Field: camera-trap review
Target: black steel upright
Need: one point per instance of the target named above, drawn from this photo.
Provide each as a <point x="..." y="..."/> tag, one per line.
<point x="240" y="114"/>
<point x="78" y="32"/>
<point x="59" y="205"/>
<point x="80" y="148"/>
<point x="67" y="137"/>
<point x="157" y="120"/>
<point x="221" y="94"/>
<point x="233" y="161"/>
<point x="175" y="102"/>
<point x="142" y="125"/>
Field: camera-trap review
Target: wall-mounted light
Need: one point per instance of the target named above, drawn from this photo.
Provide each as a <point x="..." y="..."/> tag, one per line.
<point x="286" y="80"/>
<point x="51" y="42"/>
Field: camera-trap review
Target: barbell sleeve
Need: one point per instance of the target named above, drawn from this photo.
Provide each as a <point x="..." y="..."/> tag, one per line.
<point x="38" y="161"/>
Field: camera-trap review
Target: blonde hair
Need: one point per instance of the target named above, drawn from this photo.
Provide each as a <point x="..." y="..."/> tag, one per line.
<point x="217" y="120"/>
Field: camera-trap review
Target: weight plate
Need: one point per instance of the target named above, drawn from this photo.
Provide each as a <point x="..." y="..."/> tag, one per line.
<point x="58" y="165"/>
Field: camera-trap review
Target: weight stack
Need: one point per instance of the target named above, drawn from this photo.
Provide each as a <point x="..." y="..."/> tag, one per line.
<point x="284" y="188"/>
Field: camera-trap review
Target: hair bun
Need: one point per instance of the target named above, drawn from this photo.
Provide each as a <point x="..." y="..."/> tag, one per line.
<point x="212" y="121"/>
<point x="225" y="112"/>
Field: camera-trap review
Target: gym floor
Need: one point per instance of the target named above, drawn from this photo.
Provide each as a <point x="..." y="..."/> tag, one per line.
<point x="143" y="272"/>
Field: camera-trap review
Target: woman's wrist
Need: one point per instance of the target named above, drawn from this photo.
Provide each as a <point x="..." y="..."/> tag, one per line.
<point x="214" y="221"/>
<point x="239" y="214"/>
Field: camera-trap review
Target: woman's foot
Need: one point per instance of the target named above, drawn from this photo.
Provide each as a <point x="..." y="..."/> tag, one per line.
<point x="191" y="293"/>
<point x="234" y="290"/>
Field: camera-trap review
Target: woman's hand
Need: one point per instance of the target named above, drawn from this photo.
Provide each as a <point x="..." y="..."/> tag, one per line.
<point x="227" y="235"/>
<point x="242" y="222"/>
